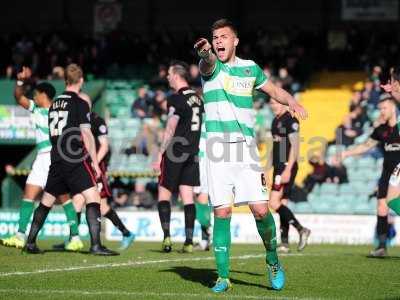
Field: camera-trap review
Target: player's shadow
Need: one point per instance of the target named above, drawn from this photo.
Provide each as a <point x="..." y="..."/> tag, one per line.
<point x="205" y="276"/>
<point x="384" y="257"/>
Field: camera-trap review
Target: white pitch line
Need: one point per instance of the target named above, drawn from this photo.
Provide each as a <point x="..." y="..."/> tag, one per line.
<point x="134" y="263"/>
<point x="147" y="294"/>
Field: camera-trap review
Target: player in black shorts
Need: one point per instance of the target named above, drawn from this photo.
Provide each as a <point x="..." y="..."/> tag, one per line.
<point x="177" y="158"/>
<point x="99" y="129"/>
<point x="386" y="136"/>
<point x="70" y="171"/>
<point x="285" y="152"/>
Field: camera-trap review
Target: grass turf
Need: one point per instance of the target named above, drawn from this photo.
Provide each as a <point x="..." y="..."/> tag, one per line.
<point x="143" y="272"/>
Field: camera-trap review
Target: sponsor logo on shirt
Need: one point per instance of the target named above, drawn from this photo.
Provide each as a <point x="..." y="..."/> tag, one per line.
<point x="239" y="86"/>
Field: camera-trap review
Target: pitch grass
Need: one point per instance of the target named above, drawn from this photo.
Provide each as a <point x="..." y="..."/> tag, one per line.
<point x="143" y="272"/>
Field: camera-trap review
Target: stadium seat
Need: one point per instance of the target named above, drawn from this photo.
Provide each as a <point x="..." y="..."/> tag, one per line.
<point x="329" y="188"/>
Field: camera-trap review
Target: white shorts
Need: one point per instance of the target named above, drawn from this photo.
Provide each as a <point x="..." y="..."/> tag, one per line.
<point x="395" y="177"/>
<point x="40" y="170"/>
<point x="235" y="177"/>
<point x="203" y="188"/>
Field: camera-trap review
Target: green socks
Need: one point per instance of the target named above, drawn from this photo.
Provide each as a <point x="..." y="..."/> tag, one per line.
<point x="394" y="204"/>
<point x="222" y="245"/>
<point x="25" y="213"/>
<point x="72" y="218"/>
<point x="266" y="229"/>
<point x="203" y="212"/>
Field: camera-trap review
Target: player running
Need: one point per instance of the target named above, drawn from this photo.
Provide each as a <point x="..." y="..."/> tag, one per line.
<point x="39" y="107"/>
<point x="203" y="210"/>
<point x="177" y="158"/>
<point x="70" y="171"/>
<point x="100" y="131"/>
<point x="228" y="84"/>
<point x="387" y="137"/>
<point x="285" y="133"/>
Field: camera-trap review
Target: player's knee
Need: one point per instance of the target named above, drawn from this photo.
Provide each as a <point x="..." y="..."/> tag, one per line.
<point x="224" y="212"/>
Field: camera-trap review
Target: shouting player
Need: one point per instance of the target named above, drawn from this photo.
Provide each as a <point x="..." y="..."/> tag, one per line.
<point x="285" y="152"/>
<point x="70" y="171"/>
<point x="387" y="137"/>
<point x="100" y="131"/>
<point x="39" y="108"/>
<point x="177" y="158"/>
<point x="228" y="85"/>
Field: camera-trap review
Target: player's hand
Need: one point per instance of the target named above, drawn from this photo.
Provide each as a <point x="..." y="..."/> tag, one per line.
<point x="285" y="176"/>
<point x="296" y="109"/>
<point x="26" y="73"/>
<point x="202" y="46"/>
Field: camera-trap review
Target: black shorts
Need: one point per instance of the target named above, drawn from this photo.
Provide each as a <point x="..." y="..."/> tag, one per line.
<point x="173" y="174"/>
<point x="69" y="178"/>
<point x="104" y="189"/>
<point x="383" y="183"/>
<point x="287" y="187"/>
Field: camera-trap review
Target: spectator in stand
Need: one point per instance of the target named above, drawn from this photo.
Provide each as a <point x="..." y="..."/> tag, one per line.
<point x="351" y="127"/>
<point x="324" y="172"/>
<point x="355" y="100"/>
<point x="159" y="104"/>
<point x="372" y="92"/>
<point x="160" y="80"/>
<point x="319" y="173"/>
<point x="140" y="107"/>
<point x="286" y="79"/>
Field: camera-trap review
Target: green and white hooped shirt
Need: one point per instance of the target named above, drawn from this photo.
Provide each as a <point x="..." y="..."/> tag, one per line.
<point x="40" y="118"/>
<point x="202" y="143"/>
<point x="228" y="100"/>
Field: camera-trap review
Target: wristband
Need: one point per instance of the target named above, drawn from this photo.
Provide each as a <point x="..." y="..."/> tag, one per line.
<point x="204" y="54"/>
<point x="20" y="83"/>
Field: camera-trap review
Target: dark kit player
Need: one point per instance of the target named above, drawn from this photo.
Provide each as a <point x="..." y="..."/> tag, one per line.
<point x="285" y="152"/>
<point x="70" y="172"/>
<point x="386" y="136"/>
<point x="177" y="158"/>
<point x="99" y="129"/>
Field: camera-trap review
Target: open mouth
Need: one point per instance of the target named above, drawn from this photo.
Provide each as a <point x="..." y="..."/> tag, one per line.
<point x="220" y="50"/>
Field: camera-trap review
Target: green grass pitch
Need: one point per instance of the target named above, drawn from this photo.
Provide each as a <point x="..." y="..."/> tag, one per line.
<point x="143" y="272"/>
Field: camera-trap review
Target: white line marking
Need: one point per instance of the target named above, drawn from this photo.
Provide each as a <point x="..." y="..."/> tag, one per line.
<point x="136" y="263"/>
<point x="144" y="294"/>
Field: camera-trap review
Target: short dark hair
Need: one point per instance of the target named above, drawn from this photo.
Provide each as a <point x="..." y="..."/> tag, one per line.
<point x="73" y="73"/>
<point x="181" y="68"/>
<point x="221" y="23"/>
<point x="395" y="73"/>
<point x="47" y="88"/>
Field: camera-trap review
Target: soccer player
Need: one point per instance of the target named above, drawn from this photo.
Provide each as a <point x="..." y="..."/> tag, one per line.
<point x="387" y="137"/>
<point x="393" y="194"/>
<point x="203" y="211"/>
<point x="100" y="131"/>
<point x="285" y="152"/>
<point x="70" y="172"/>
<point x="177" y="158"/>
<point x="39" y="107"/>
<point x="233" y="165"/>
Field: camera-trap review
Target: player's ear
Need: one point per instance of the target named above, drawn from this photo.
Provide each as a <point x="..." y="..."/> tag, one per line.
<point x="236" y="41"/>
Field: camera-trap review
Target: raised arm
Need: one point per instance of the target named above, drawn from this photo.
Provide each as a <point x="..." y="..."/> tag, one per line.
<point x="360" y="148"/>
<point x="208" y="58"/>
<point x="19" y="89"/>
